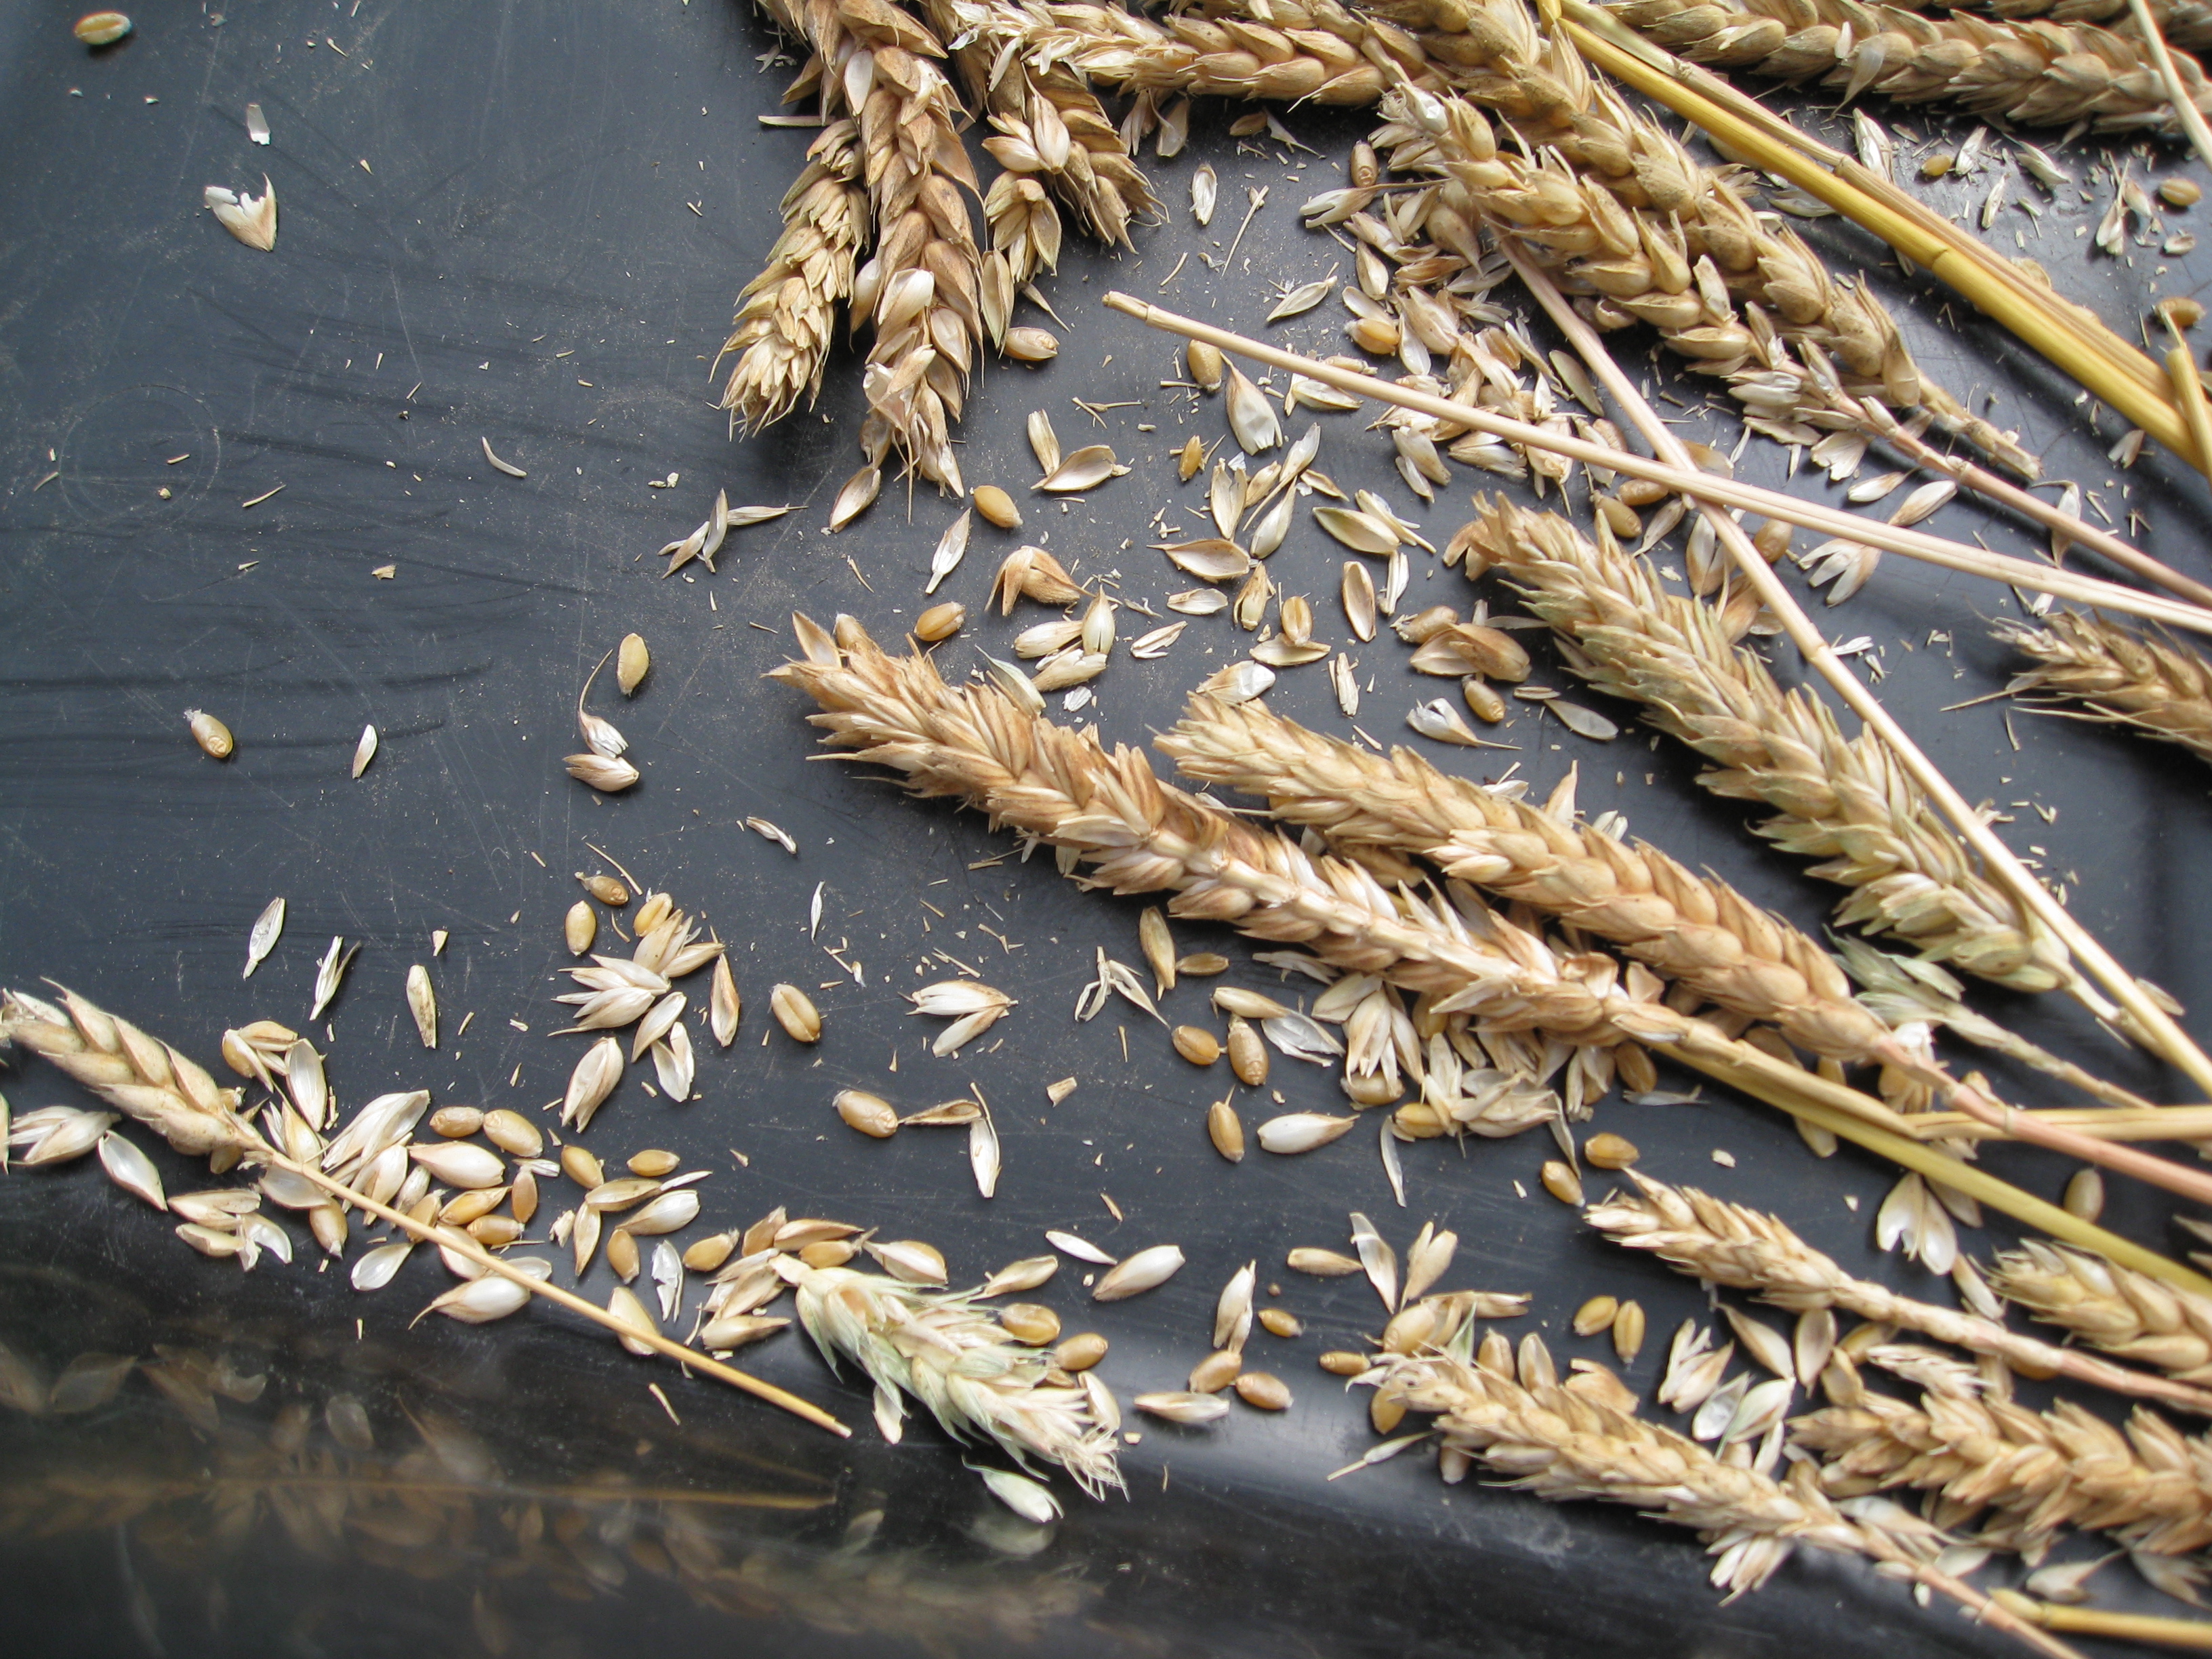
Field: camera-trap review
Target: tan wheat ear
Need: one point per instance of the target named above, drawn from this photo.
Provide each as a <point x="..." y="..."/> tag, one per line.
<point x="2158" y="687"/>
<point x="2034" y="1472"/>
<point x="787" y="315"/>
<point x="924" y="288"/>
<point x="2026" y="72"/>
<point x="156" y="1085"/>
<point x="1841" y="800"/>
<point x="1726" y="1243"/>
<point x="2110" y="1306"/>
<point x="1563" y="1444"/>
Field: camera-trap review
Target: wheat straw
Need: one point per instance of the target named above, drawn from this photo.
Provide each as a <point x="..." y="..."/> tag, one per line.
<point x="1726" y="1243"/>
<point x="2159" y="688"/>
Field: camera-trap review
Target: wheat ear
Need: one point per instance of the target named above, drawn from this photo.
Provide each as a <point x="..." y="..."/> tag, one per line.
<point x="2184" y="22"/>
<point x="2032" y="72"/>
<point x="174" y="1096"/>
<point x="1841" y="800"/>
<point x="2158" y="687"/>
<point x="925" y="285"/>
<point x="1695" y="930"/>
<point x="1564" y="1444"/>
<point x="787" y="315"/>
<point x="2110" y="1306"/>
<point x="976" y="1381"/>
<point x="1049" y="125"/>
<point x="1727" y="1244"/>
<point x="2039" y="1471"/>
<point x="1606" y="197"/>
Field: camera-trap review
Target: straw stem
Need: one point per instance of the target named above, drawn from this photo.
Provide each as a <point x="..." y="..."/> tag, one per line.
<point x="1699" y="486"/>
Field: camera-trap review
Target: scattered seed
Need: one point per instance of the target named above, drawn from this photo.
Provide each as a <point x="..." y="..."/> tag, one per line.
<point x="1226" y="1130"/>
<point x="581" y="926"/>
<point x="1609" y="1151"/>
<point x="211" y="734"/>
<point x="796" y="1013"/>
<point x="606" y="889"/>
<point x="1302" y="1131"/>
<point x="869" y="1113"/>
<point x="1628" y="1332"/>
<point x="1080" y="1353"/>
<point x="2179" y="193"/>
<point x="1216" y="1371"/>
<point x="1030" y="1323"/>
<point x="1204" y="191"/>
<point x="632" y="663"/>
<point x="998" y="507"/>
<point x="1562" y="1183"/>
<point x="1196" y="1044"/>
<point x="578" y="1164"/>
<point x="104" y="28"/>
<point x="2085" y="1194"/>
<point x="1263" y="1391"/>
<point x="1320" y="1264"/>
<point x="512" y="1132"/>
<point x="940" y="621"/>
<point x="1281" y="1321"/>
<point x="1248" y="1054"/>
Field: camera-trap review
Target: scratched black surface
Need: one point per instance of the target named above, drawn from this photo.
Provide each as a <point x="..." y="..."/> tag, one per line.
<point x="526" y="224"/>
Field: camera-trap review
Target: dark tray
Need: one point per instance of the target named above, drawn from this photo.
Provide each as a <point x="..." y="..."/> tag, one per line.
<point x="526" y="225"/>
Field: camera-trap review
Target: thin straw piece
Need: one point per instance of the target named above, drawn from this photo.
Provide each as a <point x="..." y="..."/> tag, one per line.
<point x="2191" y="1635"/>
<point x="1699" y="486"/>
<point x="2176" y="93"/>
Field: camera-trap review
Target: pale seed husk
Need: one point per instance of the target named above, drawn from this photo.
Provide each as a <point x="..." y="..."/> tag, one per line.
<point x="723" y="1005"/>
<point x="1024" y="1275"/>
<point x="423" y="1004"/>
<point x="590" y="1083"/>
<point x="1302" y="1131"/>
<point x="1177" y="1405"/>
<point x="1145" y="1270"/>
<point x="909" y="1261"/>
<point x="460" y="1164"/>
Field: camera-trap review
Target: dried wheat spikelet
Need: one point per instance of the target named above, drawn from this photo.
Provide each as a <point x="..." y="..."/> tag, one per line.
<point x="2110" y="1306"/>
<point x="1844" y="802"/>
<point x="2158" y="687"/>
<point x="2184" y="22"/>
<point x="978" y="1382"/>
<point x="2038" y="1471"/>
<point x="787" y="315"/>
<point x="1726" y="1243"/>
<point x="1611" y="201"/>
<point x="146" y="1078"/>
<point x="1563" y="1442"/>
<point x="2030" y="72"/>
<point x="1694" y="930"/>
<point x="924" y="288"/>
<point x="1049" y="125"/>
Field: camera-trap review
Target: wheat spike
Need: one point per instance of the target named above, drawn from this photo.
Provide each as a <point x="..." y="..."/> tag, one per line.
<point x="1844" y="802"/>
<point x="146" y="1078"/>
<point x="1726" y="1243"/>
<point x="924" y="288"/>
<point x="2162" y="688"/>
<point x="2110" y="1306"/>
<point x="787" y="315"/>
<point x="1049" y="125"/>
<point x="977" y="1382"/>
<point x="2184" y="22"/>
<point x="2039" y="1471"/>
<point x="1695" y="930"/>
<point x="1610" y="201"/>
<point x="2032" y="72"/>
<point x="1563" y="1445"/>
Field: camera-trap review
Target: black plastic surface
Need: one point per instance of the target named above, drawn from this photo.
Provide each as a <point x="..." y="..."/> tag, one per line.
<point x="524" y="225"/>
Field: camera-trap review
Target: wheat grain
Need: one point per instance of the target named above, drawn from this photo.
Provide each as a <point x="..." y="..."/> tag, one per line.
<point x="1695" y="930"/>
<point x="2157" y="686"/>
<point x="1726" y="1243"/>
<point x="1844" y="802"/>
<point x="787" y="315"/>
<point x="2110" y="1306"/>
<point x="2038" y="1471"/>
<point x="2030" y="72"/>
